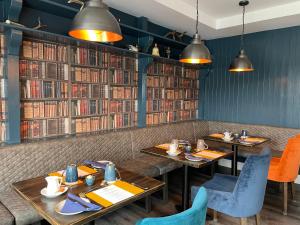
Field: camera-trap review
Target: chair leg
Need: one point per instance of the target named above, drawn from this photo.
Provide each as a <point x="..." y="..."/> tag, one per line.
<point x="293" y="190"/>
<point x="285" y="197"/>
<point x="257" y="219"/>
<point x="166" y="187"/>
<point x="244" y="221"/>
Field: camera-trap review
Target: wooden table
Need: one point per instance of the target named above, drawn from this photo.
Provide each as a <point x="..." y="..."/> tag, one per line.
<point x="186" y="164"/>
<point x="30" y="191"/>
<point x="235" y="143"/>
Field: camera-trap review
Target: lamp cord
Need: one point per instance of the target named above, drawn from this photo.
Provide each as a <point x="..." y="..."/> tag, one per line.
<point x="243" y="31"/>
<point x="197" y="22"/>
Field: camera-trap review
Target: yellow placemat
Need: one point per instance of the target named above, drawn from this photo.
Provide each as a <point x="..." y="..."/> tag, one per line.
<point x="254" y="139"/>
<point x="163" y="146"/>
<point x="209" y="154"/>
<point x="96" y="198"/>
<point x="217" y="135"/>
<point x="128" y="187"/>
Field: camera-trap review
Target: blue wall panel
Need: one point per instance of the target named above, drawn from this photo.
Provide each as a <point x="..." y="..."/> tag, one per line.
<point x="271" y="94"/>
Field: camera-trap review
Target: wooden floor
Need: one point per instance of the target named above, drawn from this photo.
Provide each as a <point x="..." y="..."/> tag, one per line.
<point x="271" y="213"/>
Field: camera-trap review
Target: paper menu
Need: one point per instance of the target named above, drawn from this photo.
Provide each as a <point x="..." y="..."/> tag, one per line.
<point x="113" y="194"/>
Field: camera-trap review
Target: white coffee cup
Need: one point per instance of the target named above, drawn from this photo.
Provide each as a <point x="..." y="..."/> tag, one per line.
<point x="173" y="148"/>
<point x="201" y="145"/>
<point x="53" y="184"/>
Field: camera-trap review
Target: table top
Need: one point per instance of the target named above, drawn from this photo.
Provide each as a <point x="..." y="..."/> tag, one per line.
<point x="237" y="142"/>
<point x="181" y="157"/>
<point x="30" y="191"/>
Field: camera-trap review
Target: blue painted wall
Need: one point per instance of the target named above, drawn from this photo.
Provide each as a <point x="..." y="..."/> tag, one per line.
<point x="270" y="95"/>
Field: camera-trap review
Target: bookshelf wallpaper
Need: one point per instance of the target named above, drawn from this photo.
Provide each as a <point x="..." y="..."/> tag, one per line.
<point x="70" y="90"/>
<point x="172" y="93"/>
<point x="3" y="91"/>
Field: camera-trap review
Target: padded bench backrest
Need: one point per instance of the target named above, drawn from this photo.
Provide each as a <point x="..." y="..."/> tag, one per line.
<point x="23" y="161"/>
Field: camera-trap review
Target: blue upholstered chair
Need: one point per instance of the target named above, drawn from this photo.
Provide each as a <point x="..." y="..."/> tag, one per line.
<point x="194" y="216"/>
<point x="241" y="196"/>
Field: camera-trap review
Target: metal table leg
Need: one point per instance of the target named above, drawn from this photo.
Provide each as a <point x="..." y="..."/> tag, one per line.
<point x="234" y="160"/>
<point x="185" y="189"/>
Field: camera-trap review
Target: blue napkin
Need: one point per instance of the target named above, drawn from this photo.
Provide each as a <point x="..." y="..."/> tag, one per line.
<point x="96" y="164"/>
<point x="75" y="204"/>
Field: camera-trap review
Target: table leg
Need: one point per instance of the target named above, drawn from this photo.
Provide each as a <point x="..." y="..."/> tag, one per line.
<point x="185" y="189"/>
<point x="234" y="160"/>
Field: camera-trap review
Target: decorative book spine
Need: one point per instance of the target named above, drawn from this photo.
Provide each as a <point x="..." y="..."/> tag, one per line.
<point x="3" y="90"/>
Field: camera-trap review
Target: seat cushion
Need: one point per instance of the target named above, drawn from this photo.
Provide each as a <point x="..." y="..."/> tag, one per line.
<point x="139" y="167"/>
<point x="221" y="182"/>
<point x="23" y="212"/>
<point x="5" y="215"/>
<point x="163" y="164"/>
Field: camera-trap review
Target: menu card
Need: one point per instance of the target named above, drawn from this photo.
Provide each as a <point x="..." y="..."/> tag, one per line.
<point x="209" y="154"/>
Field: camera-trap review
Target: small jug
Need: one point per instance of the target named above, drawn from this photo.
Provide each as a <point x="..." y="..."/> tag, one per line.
<point x="110" y="173"/>
<point x="201" y="145"/>
<point x="227" y="135"/>
<point x="71" y="174"/>
<point x="53" y="184"/>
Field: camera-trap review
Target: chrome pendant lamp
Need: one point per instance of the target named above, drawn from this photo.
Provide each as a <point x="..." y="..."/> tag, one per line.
<point x="241" y="62"/>
<point x="94" y="22"/>
<point x="196" y="52"/>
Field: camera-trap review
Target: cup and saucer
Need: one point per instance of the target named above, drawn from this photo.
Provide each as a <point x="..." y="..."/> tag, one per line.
<point x="54" y="187"/>
<point x="173" y="151"/>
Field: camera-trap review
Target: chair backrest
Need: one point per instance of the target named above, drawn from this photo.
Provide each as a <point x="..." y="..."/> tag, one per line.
<point x="250" y="188"/>
<point x="290" y="160"/>
<point x="196" y="215"/>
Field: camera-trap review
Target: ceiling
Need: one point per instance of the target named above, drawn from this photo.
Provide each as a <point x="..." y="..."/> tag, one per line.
<point x="217" y="18"/>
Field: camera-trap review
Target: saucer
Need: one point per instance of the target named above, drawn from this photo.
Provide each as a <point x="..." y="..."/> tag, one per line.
<point x="173" y="153"/>
<point x="193" y="158"/>
<point x="225" y="139"/>
<point x="61" y="204"/>
<point x="44" y="192"/>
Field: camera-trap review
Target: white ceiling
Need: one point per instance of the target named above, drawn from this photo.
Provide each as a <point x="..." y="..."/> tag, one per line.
<point x="217" y="18"/>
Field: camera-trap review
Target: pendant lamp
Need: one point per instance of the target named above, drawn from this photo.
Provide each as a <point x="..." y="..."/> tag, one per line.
<point x="241" y="62"/>
<point x="94" y="22"/>
<point x="196" y="52"/>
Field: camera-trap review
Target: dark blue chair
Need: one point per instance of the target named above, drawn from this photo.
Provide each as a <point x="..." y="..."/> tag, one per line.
<point x="241" y="196"/>
<point x="194" y="216"/>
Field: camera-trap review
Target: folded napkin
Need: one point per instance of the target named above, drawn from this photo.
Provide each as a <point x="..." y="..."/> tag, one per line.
<point x="217" y="135"/>
<point x="101" y="165"/>
<point x="165" y="146"/>
<point x="75" y="204"/>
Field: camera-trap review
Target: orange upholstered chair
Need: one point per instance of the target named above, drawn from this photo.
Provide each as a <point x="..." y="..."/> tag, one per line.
<point x="286" y="168"/>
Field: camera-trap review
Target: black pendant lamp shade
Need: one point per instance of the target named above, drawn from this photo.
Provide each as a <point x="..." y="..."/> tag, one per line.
<point x="94" y="22"/>
<point x="196" y="52"/>
<point x="241" y="62"/>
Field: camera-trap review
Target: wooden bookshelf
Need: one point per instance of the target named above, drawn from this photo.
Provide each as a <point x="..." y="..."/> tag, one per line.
<point x="172" y="93"/>
<point x="44" y="83"/>
<point x="68" y="89"/>
<point x="3" y="91"/>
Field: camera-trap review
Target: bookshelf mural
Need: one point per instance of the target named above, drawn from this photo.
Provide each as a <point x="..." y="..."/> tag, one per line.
<point x="70" y="89"/>
<point x="3" y="91"/>
<point x="172" y="93"/>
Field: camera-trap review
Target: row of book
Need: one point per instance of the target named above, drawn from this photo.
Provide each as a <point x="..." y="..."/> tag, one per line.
<point x="44" y="51"/>
<point x="44" y="128"/>
<point x="2" y="131"/>
<point x="37" y="89"/>
<point x="2" y="44"/>
<point x="166" y="69"/>
<point x="90" y="124"/>
<point x="3" y="110"/>
<point x="44" y="109"/>
<point x="123" y="93"/>
<point x="123" y="106"/>
<point x="181" y="94"/>
<point x="43" y="70"/>
<point x="102" y="58"/>
<point x="118" y="76"/>
<point x="171" y="82"/>
<point x="89" y="75"/>
<point x="118" y="121"/>
<point x="89" y="107"/>
<point x="84" y="90"/>
<point x="167" y="105"/>
<point x="169" y="117"/>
